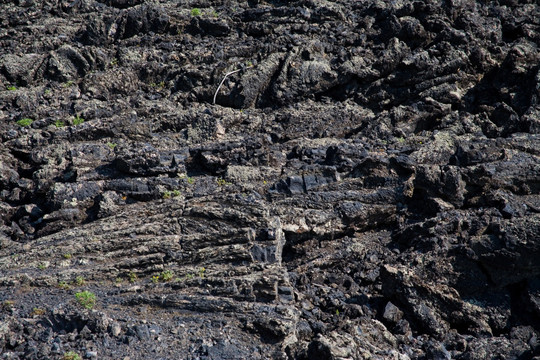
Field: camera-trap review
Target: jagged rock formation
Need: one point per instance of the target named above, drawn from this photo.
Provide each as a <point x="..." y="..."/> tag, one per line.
<point x="366" y="186"/>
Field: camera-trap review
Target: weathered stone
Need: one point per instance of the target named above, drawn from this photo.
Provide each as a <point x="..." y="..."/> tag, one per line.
<point x="370" y="161"/>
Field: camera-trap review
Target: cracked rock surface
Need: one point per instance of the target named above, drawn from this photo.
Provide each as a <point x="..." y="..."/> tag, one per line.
<point x="365" y="186"/>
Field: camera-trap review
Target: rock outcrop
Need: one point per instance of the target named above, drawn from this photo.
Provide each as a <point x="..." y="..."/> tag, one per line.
<point x="365" y="186"/>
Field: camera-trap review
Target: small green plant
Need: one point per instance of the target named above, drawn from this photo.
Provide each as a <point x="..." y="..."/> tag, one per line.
<point x="86" y="299"/>
<point x="171" y="194"/>
<point x="222" y="182"/>
<point x="114" y="62"/>
<point x="195" y="12"/>
<point x="111" y="145"/>
<point x="202" y="272"/>
<point x="67" y="84"/>
<point x="42" y="266"/>
<point x="59" y="123"/>
<point x="337" y="312"/>
<point x="38" y="311"/>
<point x="155" y="279"/>
<point x="67" y="256"/>
<point x="8" y="304"/>
<point x="11" y="87"/>
<point x="159" y="85"/>
<point x="47" y="91"/>
<point x="71" y="355"/>
<point x="166" y="275"/>
<point x="25" y="122"/>
<point x="79" y="281"/>
<point x="190" y="180"/>
<point x="214" y="13"/>
<point x="132" y="277"/>
<point x="189" y="276"/>
<point x="63" y="285"/>
<point x="77" y="120"/>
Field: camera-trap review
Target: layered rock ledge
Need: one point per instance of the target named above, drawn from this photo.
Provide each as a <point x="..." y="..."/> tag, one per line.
<point x="366" y="184"/>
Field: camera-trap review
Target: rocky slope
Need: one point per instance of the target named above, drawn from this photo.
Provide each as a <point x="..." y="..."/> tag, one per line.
<point x="365" y="185"/>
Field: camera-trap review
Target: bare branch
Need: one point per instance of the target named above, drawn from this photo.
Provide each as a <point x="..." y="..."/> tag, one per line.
<point x="221" y="83"/>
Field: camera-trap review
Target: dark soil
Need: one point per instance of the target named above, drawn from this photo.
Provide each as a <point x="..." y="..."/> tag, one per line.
<point x="366" y="184"/>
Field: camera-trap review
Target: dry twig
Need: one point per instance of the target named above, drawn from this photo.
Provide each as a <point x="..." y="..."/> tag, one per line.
<point x="221" y="83"/>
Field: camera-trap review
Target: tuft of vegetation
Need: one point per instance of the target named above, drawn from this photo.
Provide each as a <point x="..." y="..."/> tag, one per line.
<point x="202" y="272"/>
<point x="25" y="122"/>
<point x="189" y="276"/>
<point x="190" y="180"/>
<point x="8" y="304"/>
<point x="79" y="281"/>
<point x="63" y="285"/>
<point x="77" y="120"/>
<point x="222" y="182"/>
<point x="59" y="123"/>
<point x="159" y="85"/>
<point x="38" y="311"/>
<point x="67" y="84"/>
<point x="170" y="194"/>
<point x="42" y="266"/>
<point x="132" y="277"/>
<point x="111" y="145"/>
<point x="196" y="12"/>
<point x="11" y="87"/>
<point x="86" y="299"/>
<point x="67" y="256"/>
<point x="71" y="355"/>
<point x="166" y="275"/>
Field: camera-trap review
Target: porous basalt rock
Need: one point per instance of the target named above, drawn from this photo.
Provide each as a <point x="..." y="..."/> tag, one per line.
<point x="365" y="186"/>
